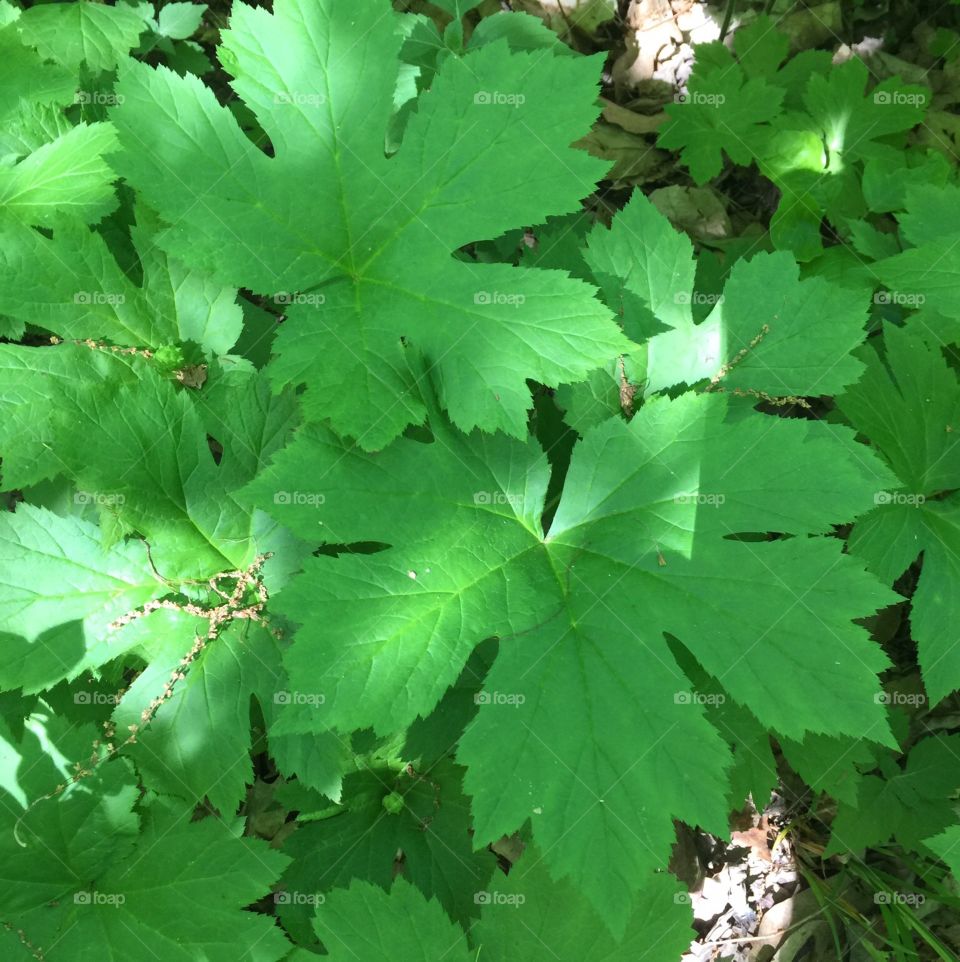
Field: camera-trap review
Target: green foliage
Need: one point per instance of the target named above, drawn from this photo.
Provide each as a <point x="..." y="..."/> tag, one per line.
<point x="260" y="223"/>
<point x="82" y="33"/>
<point x="809" y="126"/>
<point x="398" y="547"/>
<point x="910" y="804"/>
<point x="907" y="404"/>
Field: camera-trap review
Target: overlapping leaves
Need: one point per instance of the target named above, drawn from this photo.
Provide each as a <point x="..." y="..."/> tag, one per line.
<point x="368" y="256"/>
<point x="641" y="544"/>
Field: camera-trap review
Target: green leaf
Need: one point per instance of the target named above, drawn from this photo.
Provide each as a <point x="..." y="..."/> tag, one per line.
<point x="832" y="765"/>
<point x="769" y="331"/>
<point x="651" y="260"/>
<point x="51" y="847"/>
<point x="722" y="112"/>
<point x="761" y="48"/>
<point x="317" y="761"/>
<point x="34" y="126"/>
<point x="206" y="312"/>
<point x="25" y="79"/>
<point x="34" y="387"/>
<point x="384" y="635"/>
<point x="180" y="20"/>
<point x="530" y="916"/>
<point x="401" y="925"/>
<point x="911" y="805"/>
<point x="71" y="284"/>
<point x="425" y="815"/>
<point x="754" y="769"/>
<point x="198" y="745"/>
<point x="850" y="119"/>
<point x="521" y="30"/>
<point x="947" y="847"/>
<point x="68" y="174"/>
<point x="584" y="15"/>
<point x="600" y="397"/>
<point x="346" y="253"/>
<point x="123" y="909"/>
<point x="54" y="570"/>
<point x="889" y="174"/>
<point x="796" y="335"/>
<point x="525" y="915"/>
<point x="908" y="404"/>
<point x="926" y="275"/>
<point x="82" y="33"/>
<point x="456" y="8"/>
<point x="145" y="448"/>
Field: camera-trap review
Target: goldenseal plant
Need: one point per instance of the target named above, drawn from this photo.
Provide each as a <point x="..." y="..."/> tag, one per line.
<point x="367" y="595"/>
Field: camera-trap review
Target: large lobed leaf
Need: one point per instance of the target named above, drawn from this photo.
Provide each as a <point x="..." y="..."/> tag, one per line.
<point x="363" y="241"/>
<point x="640" y="545"/>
